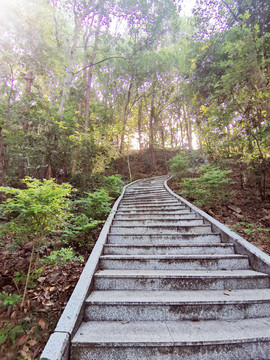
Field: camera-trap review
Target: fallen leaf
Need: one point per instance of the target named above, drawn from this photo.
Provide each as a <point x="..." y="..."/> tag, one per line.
<point x="66" y="287"/>
<point x="42" y="324"/>
<point x="22" y="339"/>
<point x="13" y="315"/>
<point x="32" y="330"/>
<point x="32" y="342"/>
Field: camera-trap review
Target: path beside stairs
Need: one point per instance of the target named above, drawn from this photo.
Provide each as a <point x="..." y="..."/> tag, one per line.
<point x="167" y="288"/>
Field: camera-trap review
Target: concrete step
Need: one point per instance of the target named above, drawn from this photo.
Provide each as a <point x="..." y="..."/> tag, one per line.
<point x="161" y="222"/>
<point x="148" y="206"/>
<point x="164" y="239"/>
<point x="161" y="216"/>
<point x="155" y="212"/>
<point x="246" y="339"/>
<point x="152" y="201"/>
<point x="170" y="249"/>
<point x="177" y="262"/>
<point x="177" y="305"/>
<point x="179" y="280"/>
<point x="144" y="230"/>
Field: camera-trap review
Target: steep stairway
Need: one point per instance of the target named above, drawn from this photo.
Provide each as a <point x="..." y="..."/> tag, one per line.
<point x="168" y="288"/>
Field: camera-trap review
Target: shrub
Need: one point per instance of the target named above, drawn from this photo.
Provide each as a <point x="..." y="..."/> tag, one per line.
<point x="209" y="187"/>
<point x="61" y="256"/>
<point x="96" y="205"/>
<point x="179" y="165"/>
<point x="35" y="211"/>
<point x="113" y="185"/>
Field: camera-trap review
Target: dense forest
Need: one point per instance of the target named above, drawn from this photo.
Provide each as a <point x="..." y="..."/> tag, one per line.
<point x="84" y="82"/>
<point x="93" y="92"/>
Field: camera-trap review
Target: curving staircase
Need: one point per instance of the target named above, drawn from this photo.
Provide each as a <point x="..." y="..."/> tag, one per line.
<point x="168" y="288"/>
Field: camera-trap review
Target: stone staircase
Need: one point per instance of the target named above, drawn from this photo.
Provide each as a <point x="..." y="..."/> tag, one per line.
<point x="168" y="288"/>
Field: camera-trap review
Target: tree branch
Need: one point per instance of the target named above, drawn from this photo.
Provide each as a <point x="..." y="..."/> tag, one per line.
<point x="99" y="62"/>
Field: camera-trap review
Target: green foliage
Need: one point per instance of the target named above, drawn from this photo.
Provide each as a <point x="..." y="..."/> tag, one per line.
<point x="179" y="165"/>
<point x="209" y="187"/>
<point x="113" y="185"/>
<point x="96" y="205"/>
<point x="38" y="209"/>
<point x="9" y="299"/>
<point x="61" y="256"/>
<point x="79" y="230"/>
<point x="9" y="331"/>
<point x="21" y="277"/>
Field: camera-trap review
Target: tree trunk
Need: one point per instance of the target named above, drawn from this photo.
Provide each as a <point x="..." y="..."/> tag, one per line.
<point x="124" y="121"/>
<point x="188" y="127"/>
<point x="151" y="132"/>
<point x="69" y="74"/>
<point x="90" y="76"/>
<point x="3" y="159"/>
<point x="140" y="125"/>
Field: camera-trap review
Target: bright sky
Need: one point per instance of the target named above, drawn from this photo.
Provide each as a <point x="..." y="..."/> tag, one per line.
<point x="187" y="7"/>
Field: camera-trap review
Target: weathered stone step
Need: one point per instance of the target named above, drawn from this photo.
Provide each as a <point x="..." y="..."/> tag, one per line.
<point x="152" y="229"/>
<point x="151" y="194"/>
<point x="150" y="200"/>
<point x="149" y="206"/>
<point x="161" y="216"/>
<point x="170" y="249"/>
<point x="164" y="239"/>
<point x="170" y="262"/>
<point x="189" y="221"/>
<point x="246" y="339"/>
<point x="177" y="305"/>
<point x="168" y="212"/>
<point x="179" y="280"/>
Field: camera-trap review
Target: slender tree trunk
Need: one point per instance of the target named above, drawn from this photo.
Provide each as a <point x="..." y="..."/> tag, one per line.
<point x="90" y="76"/>
<point x="3" y="159"/>
<point x="124" y="121"/>
<point x="151" y="132"/>
<point x="140" y="125"/>
<point x="69" y="74"/>
<point x="188" y="127"/>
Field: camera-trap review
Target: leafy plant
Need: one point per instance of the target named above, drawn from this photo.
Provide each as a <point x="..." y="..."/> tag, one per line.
<point x="36" y="211"/>
<point x="79" y="229"/>
<point x="20" y="277"/>
<point x="9" y="299"/>
<point x="179" y="165"/>
<point x="96" y="205"/>
<point x="61" y="256"/>
<point x="9" y="331"/>
<point x="113" y="185"/>
<point x="209" y="187"/>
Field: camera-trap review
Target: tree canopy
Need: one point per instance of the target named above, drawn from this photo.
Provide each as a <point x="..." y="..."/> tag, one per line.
<point x="83" y="82"/>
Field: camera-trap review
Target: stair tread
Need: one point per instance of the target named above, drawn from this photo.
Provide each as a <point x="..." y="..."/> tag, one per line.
<point x="134" y="245"/>
<point x="178" y="297"/>
<point x="175" y="257"/>
<point x="144" y="273"/>
<point x="171" y="333"/>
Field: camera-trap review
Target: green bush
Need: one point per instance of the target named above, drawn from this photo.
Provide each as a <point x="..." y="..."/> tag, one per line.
<point x="208" y="188"/>
<point x="61" y="256"/>
<point x="113" y="185"/>
<point x="179" y="165"/>
<point x="96" y="205"/>
<point x="9" y="299"/>
<point x="79" y="230"/>
<point x="34" y="212"/>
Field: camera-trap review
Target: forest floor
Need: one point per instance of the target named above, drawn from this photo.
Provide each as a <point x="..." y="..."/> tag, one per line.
<point x="24" y="332"/>
<point x="244" y="213"/>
